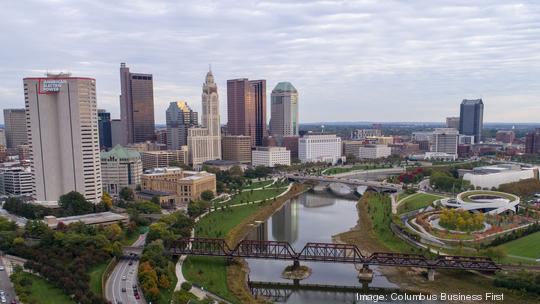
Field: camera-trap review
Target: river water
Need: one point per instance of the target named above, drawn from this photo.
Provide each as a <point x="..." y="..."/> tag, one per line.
<point x="311" y="218"/>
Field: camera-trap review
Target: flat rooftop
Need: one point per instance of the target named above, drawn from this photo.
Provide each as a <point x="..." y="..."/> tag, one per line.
<point x="92" y="218"/>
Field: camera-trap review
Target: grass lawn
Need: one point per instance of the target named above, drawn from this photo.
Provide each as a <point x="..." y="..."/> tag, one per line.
<point x="43" y="292"/>
<point x="257" y="195"/>
<point x="211" y="272"/>
<point x="527" y="246"/>
<point x="258" y="184"/>
<point x="417" y="201"/>
<point x="403" y="195"/>
<point x="96" y="273"/>
<point x="380" y="211"/>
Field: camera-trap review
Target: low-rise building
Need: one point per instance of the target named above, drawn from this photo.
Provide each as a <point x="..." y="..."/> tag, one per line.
<point x="314" y="147"/>
<point x="270" y="156"/>
<point x="160" y="159"/>
<point x="147" y="146"/>
<point x="380" y="140"/>
<point x="493" y="176"/>
<point x="184" y="185"/>
<point x="361" y="134"/>
<point x="92" y="219"/>
<point x="506" y="137"/>
<point x="351" y="147"/>
<point x="120" y="168"/>
<point x="445" y="140"/>
<point x="374" y="151"/>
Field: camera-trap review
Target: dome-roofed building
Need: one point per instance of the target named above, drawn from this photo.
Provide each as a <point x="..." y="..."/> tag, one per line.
<point x="120" y="167"/>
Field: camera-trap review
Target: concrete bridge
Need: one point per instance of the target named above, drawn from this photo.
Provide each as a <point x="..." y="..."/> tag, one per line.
<point x="377" y="186"/>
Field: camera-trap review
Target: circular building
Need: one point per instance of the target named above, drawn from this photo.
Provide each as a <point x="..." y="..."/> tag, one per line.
<point x="491" y="202"/>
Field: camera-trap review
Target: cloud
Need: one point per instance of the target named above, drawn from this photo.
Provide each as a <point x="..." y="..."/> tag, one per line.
<point x="350" y="60"/>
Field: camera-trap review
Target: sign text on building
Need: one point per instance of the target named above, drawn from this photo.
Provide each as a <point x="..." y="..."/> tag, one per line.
<point x="48" y="86"/>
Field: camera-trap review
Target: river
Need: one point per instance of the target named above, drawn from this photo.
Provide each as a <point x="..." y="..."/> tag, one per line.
<point x="312" y="218"/>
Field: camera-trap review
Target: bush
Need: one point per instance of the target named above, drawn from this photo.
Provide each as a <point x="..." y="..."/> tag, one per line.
<point x="526" y="187"/>
<point x="186" y="286"/>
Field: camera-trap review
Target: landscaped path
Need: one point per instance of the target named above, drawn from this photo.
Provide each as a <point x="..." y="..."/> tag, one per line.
<point x="198" y="292"/>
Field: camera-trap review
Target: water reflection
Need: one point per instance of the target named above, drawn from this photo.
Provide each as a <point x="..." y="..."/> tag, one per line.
<point x="311" y="218"/>
<point x="285" y="223"/>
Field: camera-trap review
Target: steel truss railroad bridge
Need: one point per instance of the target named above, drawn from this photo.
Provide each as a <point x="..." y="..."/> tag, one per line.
<point x="324" y="252"/>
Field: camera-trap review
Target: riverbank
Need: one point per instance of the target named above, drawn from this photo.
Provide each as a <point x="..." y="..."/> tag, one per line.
<point x="232" y="222"/>
<point x="364" y="235"/>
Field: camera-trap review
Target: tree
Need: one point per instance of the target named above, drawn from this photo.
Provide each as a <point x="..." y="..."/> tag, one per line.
<point x="207" y="195"/>
<point x="155" y="200"/>
<point x="127" y="194"/>
<point x="106" y="199"/>
<point x="74" y="203"/>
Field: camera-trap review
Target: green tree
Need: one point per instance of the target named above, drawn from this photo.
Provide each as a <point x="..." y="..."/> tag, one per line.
<point x="207" y="195"/>
<point x="127" y="194"/>
<point x="106" y="199"/>
<point x="74" y="203"/>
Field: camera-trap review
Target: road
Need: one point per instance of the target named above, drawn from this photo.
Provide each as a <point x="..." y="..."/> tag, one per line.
<point x="5" y="283"/>
<point x="115" y="281"/>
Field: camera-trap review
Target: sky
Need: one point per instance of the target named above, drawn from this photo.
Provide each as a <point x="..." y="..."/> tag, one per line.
<point x="367" y="60"/>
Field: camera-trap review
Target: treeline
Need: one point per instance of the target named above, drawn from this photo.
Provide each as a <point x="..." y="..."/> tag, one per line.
<point x="525" y="187"/>
<point x="514" y="235"/>
<point x="523" y="280"/>
<point x="72" y="203"/>
<point x="156" y="270"/>
<point x="63" y="257"/>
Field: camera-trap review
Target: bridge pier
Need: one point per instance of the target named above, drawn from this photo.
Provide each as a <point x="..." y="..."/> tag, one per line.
<point x="365" y="274"/>
<point x="431" y="274"/>
<point x="296" y="265"/>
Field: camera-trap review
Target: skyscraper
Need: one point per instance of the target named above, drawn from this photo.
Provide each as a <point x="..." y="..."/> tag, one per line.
<point x="240" y="109"/>
<point x="15" y="127"/>
<point x="136" y="105"/>
<point x="246" y="109"/>
<point x="62" y="126"/>
<point x="104" y="126"/>
<point x="258" y="91"/>
<point x="179" y="118"/>
<point x="204" y="142"/>
<point x="284" y="110"/>
<point x="532" y="142"/>
<point x="210" y="114"/>
<point x="471" y="118"/>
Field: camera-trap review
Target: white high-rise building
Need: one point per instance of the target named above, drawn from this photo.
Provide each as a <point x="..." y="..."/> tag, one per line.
<point x="270" y="156"/>
<point x="204" y="143"/>
<point x="16" y="181"/>
<point x="445" y="140"/>
<point x="62" y="126"/>
<point x="284" y="110"/>
<point x="319" y="148"/>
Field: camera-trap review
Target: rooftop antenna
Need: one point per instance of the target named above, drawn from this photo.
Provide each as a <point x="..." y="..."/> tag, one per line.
<point x="322" y="128"/>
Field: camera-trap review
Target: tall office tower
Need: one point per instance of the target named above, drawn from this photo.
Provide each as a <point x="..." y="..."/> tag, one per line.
<point x="258" y="91"/>
<point x="236" y="148"/>
<point x="179" y="118"/>
<point x="136" y="105"/>
<point x="246" y="109"/>
<point x="15" y="127"/>
<point x="104" y="126"/>
<point x="452" y="122"/>
<point x="62" y="126"/>
<point x="471" y="118"/>
<point x="445" y="140"/>
<point x="210" y="115"/>
<point x="284" y="110"/>
<point x="118" y="133"/>
<point x="532" y="142"/>
<point x="240" y="109"/>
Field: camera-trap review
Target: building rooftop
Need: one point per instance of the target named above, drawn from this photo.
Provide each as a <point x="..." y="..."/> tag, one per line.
<point x="284" y="86"/>
<point x="120" y="152"/>
<point x="472" y="101"/>
<point x="89" y="219"/>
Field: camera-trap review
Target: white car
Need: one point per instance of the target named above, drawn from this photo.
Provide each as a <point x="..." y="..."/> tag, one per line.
<point x="2" y="268"/>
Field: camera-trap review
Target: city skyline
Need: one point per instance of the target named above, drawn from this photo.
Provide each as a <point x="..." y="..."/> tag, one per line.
<point x="424" y="61"/>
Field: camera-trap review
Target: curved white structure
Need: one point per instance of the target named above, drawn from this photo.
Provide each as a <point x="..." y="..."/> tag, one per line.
<point x="490" y="202"/>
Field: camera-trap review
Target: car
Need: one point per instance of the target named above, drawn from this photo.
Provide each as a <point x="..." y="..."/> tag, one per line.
<point x="124" y="278"/>
<point x="13" y="301"/>
<point x="2" y="293"/>
<point x="3" y="300"/>
<point x="2" y="268"/>
<point x="123" y="289"/>
<point x="130" y="263"/>
<point x="137" y="296"/>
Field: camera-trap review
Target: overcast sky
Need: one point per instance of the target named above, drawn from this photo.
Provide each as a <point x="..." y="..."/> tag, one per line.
<point x="350" y="60"/>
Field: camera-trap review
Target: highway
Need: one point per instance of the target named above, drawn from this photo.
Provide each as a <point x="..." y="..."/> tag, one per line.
<point x="356" y="182"/>
<point x="116" y="282"/>
<point x="5" y="283"/>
